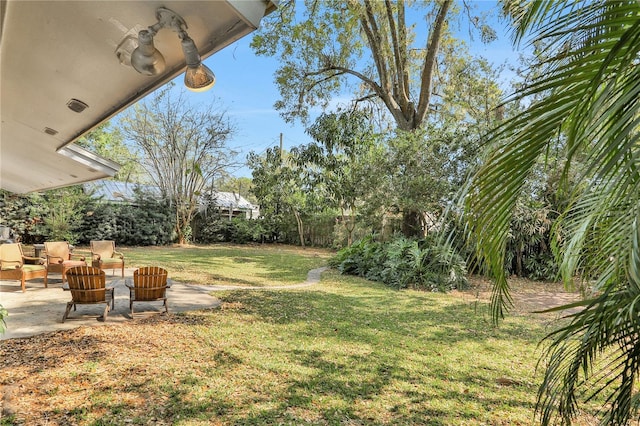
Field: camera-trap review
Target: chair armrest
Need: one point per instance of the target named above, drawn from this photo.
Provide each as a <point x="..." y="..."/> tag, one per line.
<point x="33" y="260"/>
<point x="95" y="256"/>
<point x="117" y="254"/>
<point x="54" y="259"/>
<point x="78" y="257"/>
<point x="7" y="264"/>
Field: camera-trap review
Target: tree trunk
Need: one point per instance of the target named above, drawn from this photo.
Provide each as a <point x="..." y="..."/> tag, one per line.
<point x="412" y="224"/>
<point x="300" y="227"/>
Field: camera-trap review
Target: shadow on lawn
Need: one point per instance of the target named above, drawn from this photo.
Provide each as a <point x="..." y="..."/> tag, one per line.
<point x="372" y="317"/>
<point x="362" y="361"/>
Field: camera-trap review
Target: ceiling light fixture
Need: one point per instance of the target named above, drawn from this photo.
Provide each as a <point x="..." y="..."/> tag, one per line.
<point x="148" y="60"/>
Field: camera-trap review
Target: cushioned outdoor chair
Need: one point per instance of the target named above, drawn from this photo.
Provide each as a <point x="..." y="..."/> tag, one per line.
<point x="88" y="287"/>
<point x="105" y="256"/>
<point x="14" y="265"/>
<point x="149" y="284"/>
<point x="60" y="258"/>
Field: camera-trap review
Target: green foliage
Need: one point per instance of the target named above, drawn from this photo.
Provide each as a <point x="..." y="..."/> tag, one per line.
<point x="65" y="213"/>
<point x="109" y="143"/>
<point x="584" y="91"/>
<point x="3" y="315"/>
<point x="237" y="230"/>
<point x="424" y="168"/>
<point x="282" y="190"/>
<point x="147" y="221"/>
<point x="101" y="222"/>
<point x="528" y="252"/>
<point x="23" y="213"/>
<point x="391" y="54"/>
<point x="404" y="263"/>
<point x="338" y="161"/>
<point x="54" y="215"/>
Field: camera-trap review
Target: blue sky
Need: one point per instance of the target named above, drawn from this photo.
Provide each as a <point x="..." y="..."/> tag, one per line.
<point x="246" y="88"/>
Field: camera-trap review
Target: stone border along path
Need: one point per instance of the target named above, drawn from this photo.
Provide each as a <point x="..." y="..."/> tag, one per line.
<point x="39" y="310"/>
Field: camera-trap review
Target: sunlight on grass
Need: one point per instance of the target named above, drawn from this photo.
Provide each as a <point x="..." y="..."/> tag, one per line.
<point x="345" y="351"/>
<point x="226" y="265"/>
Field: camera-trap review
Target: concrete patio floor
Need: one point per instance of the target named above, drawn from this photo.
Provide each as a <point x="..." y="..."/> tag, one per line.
<point x="40" y="310"/>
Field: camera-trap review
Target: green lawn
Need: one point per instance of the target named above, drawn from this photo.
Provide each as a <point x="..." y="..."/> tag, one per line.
<point x="343" y="352"/>
<point x="237" y="265"/>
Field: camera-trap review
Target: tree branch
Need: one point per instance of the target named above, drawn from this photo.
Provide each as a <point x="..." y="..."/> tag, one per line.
<point x="429" y="63"/>
<point x="371" y="30"/>
<point x="398" y="38"/>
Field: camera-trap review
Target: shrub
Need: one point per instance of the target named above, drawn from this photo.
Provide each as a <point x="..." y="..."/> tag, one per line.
<point x="145" y="222"/>
<point x="237" y="230"/>
<point x="404" y="263"/>
<point x="3" y="315"/>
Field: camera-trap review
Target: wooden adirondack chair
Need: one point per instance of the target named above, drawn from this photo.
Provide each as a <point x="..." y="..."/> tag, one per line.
<point x="149" y="284"/>
<point x="88" y="287"/>
<point x="105" y="256"/>
<point x="14" y="265"/>
<point x="60" y="258"/>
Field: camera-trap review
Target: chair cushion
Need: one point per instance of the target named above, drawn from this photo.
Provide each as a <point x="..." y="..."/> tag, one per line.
<point x="111" y="260"/>
<point x="9" y="268"/>
<point x="33" y="268"/>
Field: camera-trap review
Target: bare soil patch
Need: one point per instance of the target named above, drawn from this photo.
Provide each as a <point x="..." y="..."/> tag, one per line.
<point x="528" y="296"/>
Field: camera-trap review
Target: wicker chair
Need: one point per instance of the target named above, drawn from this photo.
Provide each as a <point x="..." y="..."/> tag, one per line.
<point x="60" y="259"/>
<point x="88" y="287"/>
<point x="105" y="256"/>
<point x="149" y="284"/>
<point x="14" y="265"/>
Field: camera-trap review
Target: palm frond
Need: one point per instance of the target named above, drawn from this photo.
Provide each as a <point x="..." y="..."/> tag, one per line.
<point x="586" y="96"/>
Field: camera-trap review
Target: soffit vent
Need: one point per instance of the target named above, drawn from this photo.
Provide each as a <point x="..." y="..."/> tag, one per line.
<point x="77" y="106"/>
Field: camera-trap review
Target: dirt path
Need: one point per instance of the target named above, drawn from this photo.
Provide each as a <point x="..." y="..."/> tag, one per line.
<point x="528" y="296"/>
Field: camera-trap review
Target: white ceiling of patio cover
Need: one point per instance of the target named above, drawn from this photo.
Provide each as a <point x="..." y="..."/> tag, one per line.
<point x="55" y="51"/>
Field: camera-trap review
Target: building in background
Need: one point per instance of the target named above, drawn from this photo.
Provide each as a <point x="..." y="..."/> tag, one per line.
<point x="227" y="204"/>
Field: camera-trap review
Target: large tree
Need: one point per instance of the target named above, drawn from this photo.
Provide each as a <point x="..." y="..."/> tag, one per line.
<point x="182" y="147"/>
<point x="337" y="160"/>
<point x="280" y="186"/>
<point x="369" y="47"/>
<point x="586" y="93"/>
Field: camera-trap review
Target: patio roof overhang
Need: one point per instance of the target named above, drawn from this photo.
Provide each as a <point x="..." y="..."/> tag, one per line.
<point x="57" y="55"/>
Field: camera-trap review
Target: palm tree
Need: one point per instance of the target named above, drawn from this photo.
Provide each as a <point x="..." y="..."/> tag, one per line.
<point x="587" y="96"/>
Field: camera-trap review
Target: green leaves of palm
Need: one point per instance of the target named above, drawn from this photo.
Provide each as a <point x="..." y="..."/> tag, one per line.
<point x="587" y="96"/>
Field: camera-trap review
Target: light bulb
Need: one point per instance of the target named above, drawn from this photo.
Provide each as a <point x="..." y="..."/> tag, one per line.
<point x="146" y="59"/>
<point x="199" y="79"/>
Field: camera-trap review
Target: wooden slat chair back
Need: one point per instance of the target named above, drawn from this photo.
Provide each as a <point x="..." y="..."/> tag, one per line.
<point x="14" y="265"/>
<point x="60" y="259"/>
<point x="149" y="284"/>
<point x="105" y="256"/>
<point x="88" y="287"/>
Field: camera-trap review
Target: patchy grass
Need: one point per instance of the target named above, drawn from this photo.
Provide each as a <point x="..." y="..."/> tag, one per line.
<point x="345" y="351"/>
<point x="246" y="266"/>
